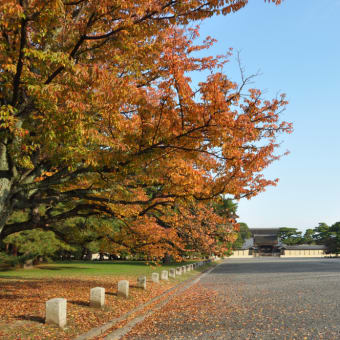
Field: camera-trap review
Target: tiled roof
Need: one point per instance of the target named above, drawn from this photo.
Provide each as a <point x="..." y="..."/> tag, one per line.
<point x="305" y="247"/>
<point x="265" y="240"/>
<point x="264" y="231"/>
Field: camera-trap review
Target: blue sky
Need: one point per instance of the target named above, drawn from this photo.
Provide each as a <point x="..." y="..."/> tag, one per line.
<point x="296" y="47"/>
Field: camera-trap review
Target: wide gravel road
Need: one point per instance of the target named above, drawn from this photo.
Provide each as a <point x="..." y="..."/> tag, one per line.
<point x="260" y="298"/>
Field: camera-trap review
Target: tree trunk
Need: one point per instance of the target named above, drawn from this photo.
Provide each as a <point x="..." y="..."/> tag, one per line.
<point x="167" y="259"/>
<point x="5" y="187"/>
<point x="83" y="254"/>
<point x="88" y="255"/>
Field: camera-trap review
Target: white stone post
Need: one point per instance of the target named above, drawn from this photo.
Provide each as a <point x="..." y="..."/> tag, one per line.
<point x="184" y="269"/>
<point x="188" y="267"/>
<point x="141" y="282"/>
<point x="172" y="273"/>
<point x="28" y="264"/>
<point x="155" y="277"/>
<point x="178" y="271"/>
<point x="123" y="288"/>
<point x="56" y="312"/>
<point x="164" y="275"/>
<point x="97" y="297"/>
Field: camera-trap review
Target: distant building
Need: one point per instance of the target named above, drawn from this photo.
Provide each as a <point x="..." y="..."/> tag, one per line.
<point x="304" y="250"/>
<point x="266" y="242"/>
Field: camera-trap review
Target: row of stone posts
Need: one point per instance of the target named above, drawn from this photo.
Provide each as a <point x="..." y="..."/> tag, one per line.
<point x="56" y="309"/>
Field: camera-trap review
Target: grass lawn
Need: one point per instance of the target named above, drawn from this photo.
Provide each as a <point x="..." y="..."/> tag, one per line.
<point x="24" y="292"/>
<point x="87" y="268"/>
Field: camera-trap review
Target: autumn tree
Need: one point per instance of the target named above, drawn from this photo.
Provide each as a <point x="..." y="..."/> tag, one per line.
<point x="99" y="117"/>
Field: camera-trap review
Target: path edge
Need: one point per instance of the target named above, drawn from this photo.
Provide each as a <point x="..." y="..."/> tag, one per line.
<point x="101" y="329"/>
<point x="119" y="333"/>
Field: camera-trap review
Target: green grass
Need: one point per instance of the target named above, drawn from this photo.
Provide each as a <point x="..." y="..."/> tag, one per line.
<point x="87" y="268"/>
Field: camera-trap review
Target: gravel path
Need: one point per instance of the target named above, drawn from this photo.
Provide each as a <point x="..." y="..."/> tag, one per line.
<point x="261" y="298"/>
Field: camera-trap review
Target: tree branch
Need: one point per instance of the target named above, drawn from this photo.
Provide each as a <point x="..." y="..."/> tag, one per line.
<point x="16" y="80"/>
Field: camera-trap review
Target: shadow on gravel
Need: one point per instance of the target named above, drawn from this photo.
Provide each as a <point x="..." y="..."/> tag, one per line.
<point x="80" y="303"/>
<point x="31" y="318"/>
<point x="111" y="293"/>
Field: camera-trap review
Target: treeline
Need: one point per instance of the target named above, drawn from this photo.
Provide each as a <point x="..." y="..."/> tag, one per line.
<point x="323" y="234"/>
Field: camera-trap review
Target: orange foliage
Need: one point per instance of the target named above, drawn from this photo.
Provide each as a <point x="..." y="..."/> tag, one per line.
<point x="98" y="95"/>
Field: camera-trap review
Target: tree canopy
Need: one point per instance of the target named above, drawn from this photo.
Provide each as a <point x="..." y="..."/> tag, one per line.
<point x="290" y="236"/>
<point x="322" y="234"/>
<point x="243" y="234"/>
<point x="99" y="119"/>
<point x="328" y="236"/>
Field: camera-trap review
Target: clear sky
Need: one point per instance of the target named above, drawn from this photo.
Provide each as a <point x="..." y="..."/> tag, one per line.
<point x="296" y="47"/>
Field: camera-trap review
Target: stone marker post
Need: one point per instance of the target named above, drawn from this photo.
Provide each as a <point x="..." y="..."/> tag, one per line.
<point x="164" y="275"/>
<point x="178" y="271"/>
<point x="172" y="273"/>
<point x="28" y="264"/>
<point x="188" y="267"/>
<point x="155" y="277"/>
<point x="123" y="288"/>
<point x="184" y="269"/>
<point x="97" y="297"/>
<point x="141" y="282"/>
<point x="56" y="312"/>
